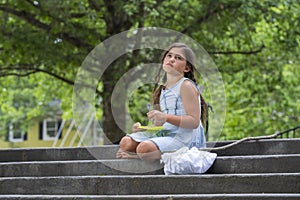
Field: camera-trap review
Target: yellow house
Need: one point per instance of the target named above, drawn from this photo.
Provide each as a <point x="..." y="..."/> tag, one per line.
<point x="51" y="133"/>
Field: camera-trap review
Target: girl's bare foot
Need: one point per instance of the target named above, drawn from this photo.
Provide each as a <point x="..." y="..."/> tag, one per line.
<point x="126" y="154"/>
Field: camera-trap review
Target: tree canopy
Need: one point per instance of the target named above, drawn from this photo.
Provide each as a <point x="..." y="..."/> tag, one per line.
<point x="254" y="44"/>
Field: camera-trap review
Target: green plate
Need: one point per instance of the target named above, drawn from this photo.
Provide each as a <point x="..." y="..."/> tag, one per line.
<point x="151" y="128"/>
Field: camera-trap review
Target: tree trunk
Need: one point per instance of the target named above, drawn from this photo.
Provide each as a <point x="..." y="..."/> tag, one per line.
<point x="114" y="112"/>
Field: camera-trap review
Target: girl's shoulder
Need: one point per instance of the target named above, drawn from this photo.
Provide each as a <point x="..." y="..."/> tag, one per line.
<point x="188" y="84"/>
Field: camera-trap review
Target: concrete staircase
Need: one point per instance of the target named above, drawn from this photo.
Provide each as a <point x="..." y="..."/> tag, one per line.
<point x="265" y="169"/>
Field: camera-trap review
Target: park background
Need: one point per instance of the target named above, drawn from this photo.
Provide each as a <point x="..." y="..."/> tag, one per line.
<point x="254" y="44"/>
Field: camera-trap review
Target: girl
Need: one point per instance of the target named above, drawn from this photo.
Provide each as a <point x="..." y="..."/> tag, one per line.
<point x="179" y="107"/>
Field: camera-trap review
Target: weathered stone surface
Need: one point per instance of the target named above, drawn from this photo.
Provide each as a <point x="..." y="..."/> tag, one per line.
<point x="153" y="184"/>
<point x="261" y="147"/>
<point x="266" y="169"/>
<point x="280" y="196"/>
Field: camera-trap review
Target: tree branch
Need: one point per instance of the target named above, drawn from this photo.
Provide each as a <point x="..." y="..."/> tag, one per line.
<point x="27" y="16"/>
<point x="93" y="5"/>
<point x="17" y="74"/>
<point x="77" y="26"/>
<point x="31" y="19"/>
<point x="209" y="14"/>
<point x="8" y="71"/>
<point x="239" y="52"/>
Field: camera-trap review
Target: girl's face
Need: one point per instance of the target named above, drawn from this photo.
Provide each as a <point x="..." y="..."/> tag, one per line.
<point x="175" y="62"/>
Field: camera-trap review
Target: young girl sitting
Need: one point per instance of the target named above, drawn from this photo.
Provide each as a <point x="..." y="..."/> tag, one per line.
<point x="179" y="108"/>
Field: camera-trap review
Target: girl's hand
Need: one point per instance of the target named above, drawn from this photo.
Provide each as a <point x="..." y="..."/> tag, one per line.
<point x="135" y="127"/>
<point x="157" y="117"/>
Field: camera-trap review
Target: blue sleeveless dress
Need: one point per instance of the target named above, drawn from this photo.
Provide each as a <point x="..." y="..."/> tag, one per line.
<point x="172" y="138"/>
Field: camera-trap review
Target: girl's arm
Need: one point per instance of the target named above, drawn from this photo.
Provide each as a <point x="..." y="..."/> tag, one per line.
<point x="191" y="105"/>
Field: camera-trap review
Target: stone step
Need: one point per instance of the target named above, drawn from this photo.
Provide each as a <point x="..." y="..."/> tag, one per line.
<point x="222" y="165"/>
<point x="79" y="168"/>
<point x="67" y="153"/>
<point x="159" y="197"/>
<point x="261" y="147"/>
<point x="152" y="184"/>
<point x="256" y="164"/>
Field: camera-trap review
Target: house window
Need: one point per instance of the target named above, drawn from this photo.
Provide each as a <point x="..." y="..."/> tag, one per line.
<point x="16" y="134"/>
<point x="49" y="129"/>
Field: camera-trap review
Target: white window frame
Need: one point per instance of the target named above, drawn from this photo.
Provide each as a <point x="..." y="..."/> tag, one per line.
<point x="47" y="129"/>
<point x="12" y="130"/>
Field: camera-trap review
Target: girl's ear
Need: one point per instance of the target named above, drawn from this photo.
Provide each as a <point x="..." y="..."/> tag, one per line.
<point x="187" y="69"/>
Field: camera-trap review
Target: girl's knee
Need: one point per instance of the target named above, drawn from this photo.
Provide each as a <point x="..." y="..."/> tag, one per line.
<point x="144" y="147"/>
<point x="147" y="150"/>
<point x="127" y="143"/>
